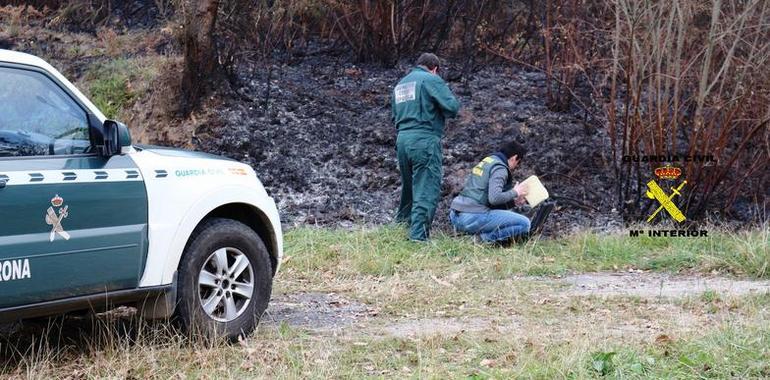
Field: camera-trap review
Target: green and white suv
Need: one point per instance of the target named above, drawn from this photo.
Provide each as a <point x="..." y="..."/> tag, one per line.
<point x="89" y="221"/>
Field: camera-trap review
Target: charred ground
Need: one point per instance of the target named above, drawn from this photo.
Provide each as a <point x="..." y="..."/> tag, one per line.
<point x="325" y="146"/>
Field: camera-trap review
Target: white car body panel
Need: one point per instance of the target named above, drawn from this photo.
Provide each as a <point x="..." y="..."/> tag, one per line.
<point x="192" y="189"/>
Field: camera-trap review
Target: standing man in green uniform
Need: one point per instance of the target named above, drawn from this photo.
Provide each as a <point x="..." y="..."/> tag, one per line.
<point x="421" y="102"/>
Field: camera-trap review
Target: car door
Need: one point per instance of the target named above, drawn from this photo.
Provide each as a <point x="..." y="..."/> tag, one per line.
<point x="72" y="222"/>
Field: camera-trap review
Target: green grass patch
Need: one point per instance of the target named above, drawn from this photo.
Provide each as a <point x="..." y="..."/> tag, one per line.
<point x="385" y="251"/>
<point x="725" y="353"/>
<point x="113" y="86"/>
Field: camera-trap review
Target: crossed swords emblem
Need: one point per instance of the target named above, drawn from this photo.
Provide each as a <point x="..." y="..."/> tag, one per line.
<point x="655" y="192"/>
<point x="54" y="220"/>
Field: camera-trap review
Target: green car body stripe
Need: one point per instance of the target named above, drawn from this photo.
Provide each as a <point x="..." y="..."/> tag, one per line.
<point x="75" y="236"/>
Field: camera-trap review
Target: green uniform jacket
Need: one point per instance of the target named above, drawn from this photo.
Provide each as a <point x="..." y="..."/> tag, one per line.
<point x="421" y="102"/>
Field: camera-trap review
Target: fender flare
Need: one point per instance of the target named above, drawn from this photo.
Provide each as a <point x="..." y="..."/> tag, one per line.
<point x="207" y="203"/>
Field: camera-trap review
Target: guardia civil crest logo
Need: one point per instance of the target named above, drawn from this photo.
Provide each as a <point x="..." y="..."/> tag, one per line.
<point x="54" y="217"/>
<point x="654" y="191"/>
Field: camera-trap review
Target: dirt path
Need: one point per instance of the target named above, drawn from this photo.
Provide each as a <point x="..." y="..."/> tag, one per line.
<point x="649" y="285"/>
<point x="315" y="311"/>
<point x="656" y="312"/>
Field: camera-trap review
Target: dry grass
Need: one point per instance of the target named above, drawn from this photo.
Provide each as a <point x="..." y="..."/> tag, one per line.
<point x="443" y="310"/>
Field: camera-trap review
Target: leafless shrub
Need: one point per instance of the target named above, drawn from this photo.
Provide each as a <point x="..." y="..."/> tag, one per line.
<point x="386" y="31"/>
<point x="685" y="78"/>
<point x="15" y="21"/>
<point x="83" y="14"/>
<point x="110" y="41"/>
<point x="165" y="8"/>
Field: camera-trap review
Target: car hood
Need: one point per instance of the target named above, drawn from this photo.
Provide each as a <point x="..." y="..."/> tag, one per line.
<point x="175" y="152"/>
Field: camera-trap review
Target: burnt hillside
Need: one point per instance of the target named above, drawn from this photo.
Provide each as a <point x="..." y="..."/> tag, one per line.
<point x="310" y="111"/>
<point x="326" y="145"/>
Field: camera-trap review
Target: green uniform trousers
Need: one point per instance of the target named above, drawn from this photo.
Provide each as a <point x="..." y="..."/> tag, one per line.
<point x="419" y="160"/>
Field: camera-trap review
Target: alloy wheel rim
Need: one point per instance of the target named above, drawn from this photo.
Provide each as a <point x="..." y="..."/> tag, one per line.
<point x="225" y="284"/>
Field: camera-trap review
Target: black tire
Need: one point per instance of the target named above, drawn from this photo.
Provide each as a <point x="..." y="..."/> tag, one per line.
<point x="212" y="235"/>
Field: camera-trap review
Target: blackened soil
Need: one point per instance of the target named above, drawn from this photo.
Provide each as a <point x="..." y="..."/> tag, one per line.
<point x="325" y="147"/>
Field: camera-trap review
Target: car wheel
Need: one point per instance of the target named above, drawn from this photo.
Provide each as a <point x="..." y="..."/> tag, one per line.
<point x="225" y="280"/>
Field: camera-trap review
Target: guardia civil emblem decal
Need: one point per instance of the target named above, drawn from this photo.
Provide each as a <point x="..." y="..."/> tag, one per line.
<point x="666" y="201"/>
<point x="54" y="217"/>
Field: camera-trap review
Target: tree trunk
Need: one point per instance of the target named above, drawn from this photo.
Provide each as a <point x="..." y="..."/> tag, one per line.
<point x="200" y="53"/>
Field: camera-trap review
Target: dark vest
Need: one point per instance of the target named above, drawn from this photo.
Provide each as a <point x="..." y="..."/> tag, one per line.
<point x="477" y="185"/>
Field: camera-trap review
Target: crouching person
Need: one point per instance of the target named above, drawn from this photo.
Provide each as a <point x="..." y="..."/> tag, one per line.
<point x="482" y="206"/>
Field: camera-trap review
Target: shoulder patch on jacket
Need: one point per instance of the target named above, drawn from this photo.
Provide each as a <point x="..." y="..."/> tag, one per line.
<point x="478" y="170"/>
<point x="405" y="92"/>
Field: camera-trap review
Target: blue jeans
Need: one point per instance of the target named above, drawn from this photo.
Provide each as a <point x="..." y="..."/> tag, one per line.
<point x="491" y="226"/>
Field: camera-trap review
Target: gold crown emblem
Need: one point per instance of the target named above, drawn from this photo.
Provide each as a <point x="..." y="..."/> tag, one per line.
<point x="668" y="172"/>
<point x="57" y="201"/>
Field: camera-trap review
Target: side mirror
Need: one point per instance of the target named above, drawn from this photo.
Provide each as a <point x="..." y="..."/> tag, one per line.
<point x="116" y="137"/>
<point x="124" y="138"/>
